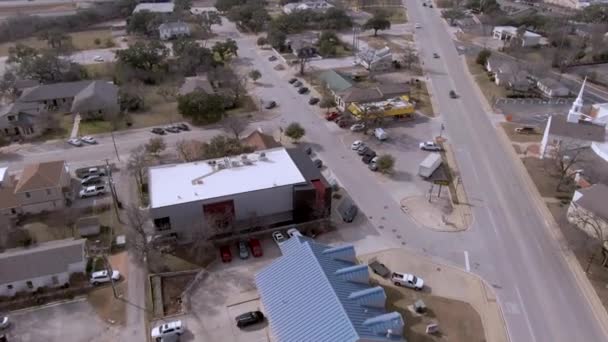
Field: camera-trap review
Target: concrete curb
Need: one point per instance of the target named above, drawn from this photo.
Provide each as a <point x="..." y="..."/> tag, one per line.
<point x="60" y="302"/>
<point x="551" y="225"/>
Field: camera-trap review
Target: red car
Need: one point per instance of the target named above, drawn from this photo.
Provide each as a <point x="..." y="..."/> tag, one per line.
<point x="331" y="116"/>
<point x="225" y="254"/>
<point x="256" y="247"/>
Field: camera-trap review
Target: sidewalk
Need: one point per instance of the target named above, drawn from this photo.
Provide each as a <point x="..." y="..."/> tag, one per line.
<point x="449" y="282"/>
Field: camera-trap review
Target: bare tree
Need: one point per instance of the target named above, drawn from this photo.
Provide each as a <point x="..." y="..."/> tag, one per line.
<point x="137" y="164"/>
<point x="234" y="125"/>
<point x="410" y="57"/>
<point x="137" y="234"/>
<point x="592" y="225"/>
<point x="189" y="150"/>
<point x="563" y="157"/>
<point x="155" y="146"/>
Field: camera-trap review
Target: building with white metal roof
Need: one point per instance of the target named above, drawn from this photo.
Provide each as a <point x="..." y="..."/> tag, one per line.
<point x="261" y="188"/>
<point x="156" y="7"/>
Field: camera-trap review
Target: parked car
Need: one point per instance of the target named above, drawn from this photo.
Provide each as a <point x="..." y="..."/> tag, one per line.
<point x="158" y="130"/>
<point x="429" y="146"/>
<point x="182" y="127"/>
<point x="373" y="166"/>
<point x="249" y="318"/>
<point x="407" y="280"/>
<point x="303" y="90"/>
<point x="75" y="142"/>
<point x="91" y="180"/>
<point x="4" y="322"/>
<point x="89" y="140"/>
<point x="356" y="144"/>
<point x="435" y="55"/>
<point x="418" y="25"/>
<point x="297" y="84"/>
<point x="172" y="328"/>
<point x="292" y="80"/>
<point x="380" y="134"/>
<point x="453" y="94"/>
<point x="343" y="122"/>
<point x="270" y="105"/>
<point x="430" y="5"/>
<point x="318" y="163"/>
<point x="272" y="58"/>
<point x="94" y="171"/>
<point x="363" y="149"/>
<point x="424" y="4"/>
<point x="225" y="254"/>
<point x="379" y="268"/>
<point x="313" y="101"/>
<point x="293" y="232"/>
<point x="357" y="127"/>
<point x="368" y="157"/>
<point x="101" y="277"/>
<point x="98" y="59"/>
<point x="331" y="116"/>
<point x="172" y="129"/>
<point x="93" y="190"/>
<point x="525" y="130"/>
<point x="256" y="247"/>
<point x="278" y="237"/>
<point x="347" y="210"/>
<point x="243" y="251"/>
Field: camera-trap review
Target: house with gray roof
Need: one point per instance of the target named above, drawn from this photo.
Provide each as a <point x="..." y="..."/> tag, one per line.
<point x="173" y="30"/>
<point x="48" y="264"/>
<point x="91" y="99"/>
<point x="23" y="120"/>
<point x="551" y="87"/>
<point x="316" y="292"/>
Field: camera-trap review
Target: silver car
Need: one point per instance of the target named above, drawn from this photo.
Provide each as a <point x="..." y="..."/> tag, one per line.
<point x="243" y="250"/>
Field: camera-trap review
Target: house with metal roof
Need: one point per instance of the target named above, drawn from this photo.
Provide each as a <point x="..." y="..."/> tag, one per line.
<point x="155" y="7"/>
<point x="48" y="264"/>
<point x="376" y="59"/>
<point x="316" y="292"/>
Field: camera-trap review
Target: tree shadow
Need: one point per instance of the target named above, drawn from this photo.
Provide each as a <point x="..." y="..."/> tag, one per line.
<point x="401" y="176"/>
<point x="11" y="157"/>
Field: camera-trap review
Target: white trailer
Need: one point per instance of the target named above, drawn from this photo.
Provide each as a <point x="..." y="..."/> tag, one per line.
<point x="429" y="165"/>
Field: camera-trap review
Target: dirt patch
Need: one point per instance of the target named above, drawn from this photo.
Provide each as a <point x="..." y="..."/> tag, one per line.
<point x="84" y="40"/>
<point x="457" y="320"/>
<point x="380" y="42"/>
<point x="420" y="94"/>
<point x="545" y="179"/>
<point x="172" y="288"/>
<point x="110" y="309"/>
<point x="509" y="129"/>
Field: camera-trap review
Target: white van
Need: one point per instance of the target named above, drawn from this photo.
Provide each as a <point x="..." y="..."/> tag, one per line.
<point x="380" y="134"/>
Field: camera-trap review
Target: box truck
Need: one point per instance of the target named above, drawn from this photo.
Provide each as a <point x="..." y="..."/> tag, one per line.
<point x="429" y="165"/>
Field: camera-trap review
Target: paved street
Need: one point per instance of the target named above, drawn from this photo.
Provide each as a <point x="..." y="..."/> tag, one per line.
<point x="511" y="242"/>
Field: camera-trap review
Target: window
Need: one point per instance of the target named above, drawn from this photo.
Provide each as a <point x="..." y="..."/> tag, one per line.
<point x="163" y="223"/>
<point x="55" y="280"/>
<point x="11" y="118"/>
<point x="27" y="194"/>
<point x="48" y="191"/>
<point x="9" y="286"/>
<point x="13" y="211"/>
<point x="29" y="284"/>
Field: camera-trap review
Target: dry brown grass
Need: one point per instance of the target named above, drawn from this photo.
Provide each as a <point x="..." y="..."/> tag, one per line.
<point x="172" y="288"/>
<point x="84" y="40"/>
<point x="457" y="320"/>
<point x="544" y="177"/>
<point x="423" y="99"/>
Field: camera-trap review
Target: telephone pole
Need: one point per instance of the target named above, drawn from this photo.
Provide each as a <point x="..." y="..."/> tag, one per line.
<point x="113" y="190"/>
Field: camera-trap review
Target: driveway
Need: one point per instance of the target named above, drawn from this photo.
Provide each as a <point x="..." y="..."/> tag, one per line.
<point x="73" y="321"/>
<point x="228" y="291"/>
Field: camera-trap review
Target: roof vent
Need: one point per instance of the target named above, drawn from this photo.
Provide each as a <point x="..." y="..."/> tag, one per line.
<point x="245" y="160"/>
<point x="235" y="163"/>
<point x="263" y="156"/>
<point x="221" y="165"/>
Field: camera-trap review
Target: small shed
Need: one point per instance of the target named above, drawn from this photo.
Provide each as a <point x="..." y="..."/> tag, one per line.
<point x="88" y="226"/>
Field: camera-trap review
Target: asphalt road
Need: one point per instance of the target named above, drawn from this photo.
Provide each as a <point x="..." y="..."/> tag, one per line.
<point x="513" y="246"/>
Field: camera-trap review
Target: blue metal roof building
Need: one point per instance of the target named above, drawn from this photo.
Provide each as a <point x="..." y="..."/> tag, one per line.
<point x="319" y="293"/>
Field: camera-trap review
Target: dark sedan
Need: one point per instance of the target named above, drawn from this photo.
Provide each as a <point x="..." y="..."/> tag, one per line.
<point x="303" y="90"/>
<point x="249" y="318"/>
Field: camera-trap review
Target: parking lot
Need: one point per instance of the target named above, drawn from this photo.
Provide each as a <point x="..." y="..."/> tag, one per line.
<point x="72" y="321"/>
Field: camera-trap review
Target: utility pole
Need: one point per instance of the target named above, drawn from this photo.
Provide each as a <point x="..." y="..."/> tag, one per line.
<point x="115" y="148"/>
<point x="113" y="190"/>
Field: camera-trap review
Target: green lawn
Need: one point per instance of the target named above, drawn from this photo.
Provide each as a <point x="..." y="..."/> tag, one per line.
<point x="84" y="40"/>
<point x="90" y="127"/>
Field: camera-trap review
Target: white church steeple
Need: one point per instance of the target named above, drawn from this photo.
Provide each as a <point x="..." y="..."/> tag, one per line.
<point x="575" y="113"/>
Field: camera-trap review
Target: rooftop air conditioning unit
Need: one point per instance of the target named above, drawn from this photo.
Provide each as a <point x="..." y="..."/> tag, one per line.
<point x="235" y="163"/>
<point x="245" y="160"/>
<point x="221" y="165"/>
<point x="263" y="156"/>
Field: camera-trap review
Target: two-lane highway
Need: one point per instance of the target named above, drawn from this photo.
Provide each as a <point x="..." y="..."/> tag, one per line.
<point x="536" y="288"/>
